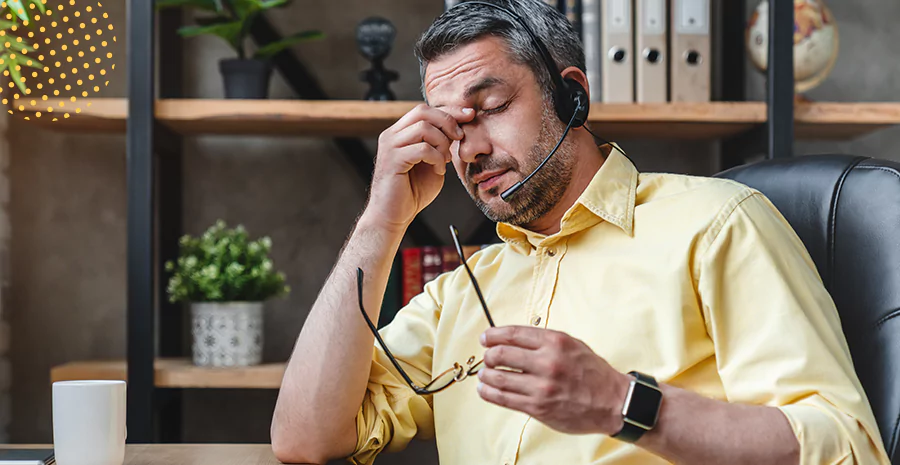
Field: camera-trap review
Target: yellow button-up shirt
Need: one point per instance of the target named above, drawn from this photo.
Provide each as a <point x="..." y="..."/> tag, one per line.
<point x="698" y="282"/>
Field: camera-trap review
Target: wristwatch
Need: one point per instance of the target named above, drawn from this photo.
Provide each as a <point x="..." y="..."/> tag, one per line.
<point x="641" y="408"/>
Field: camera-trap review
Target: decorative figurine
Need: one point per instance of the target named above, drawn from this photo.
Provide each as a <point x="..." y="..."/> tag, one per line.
<point x="375" y="38"/>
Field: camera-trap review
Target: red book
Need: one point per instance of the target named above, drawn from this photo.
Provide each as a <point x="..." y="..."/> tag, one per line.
<point x="449" y="258"/>
<point x="431" y="263"/>
<point x="412" y="273"/>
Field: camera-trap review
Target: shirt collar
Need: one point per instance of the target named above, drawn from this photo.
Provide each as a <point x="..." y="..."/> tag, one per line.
<point x="608" y="197"/>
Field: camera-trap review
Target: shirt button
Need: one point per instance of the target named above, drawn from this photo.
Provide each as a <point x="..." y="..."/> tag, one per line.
<point x="536" y="320"/>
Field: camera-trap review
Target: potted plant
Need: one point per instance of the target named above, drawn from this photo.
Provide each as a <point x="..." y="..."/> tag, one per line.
<point x="244" y="77"/>
<point x="225" y="277"/>
<point x="15" y="47"/>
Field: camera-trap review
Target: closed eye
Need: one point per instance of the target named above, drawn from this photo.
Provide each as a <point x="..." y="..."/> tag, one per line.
<point x="495" y="110"/>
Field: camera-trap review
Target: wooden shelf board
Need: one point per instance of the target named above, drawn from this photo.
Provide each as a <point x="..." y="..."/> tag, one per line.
<point x="177" y="373"/>
<point x="693" y="121"/>
<point x="843" y="121"/>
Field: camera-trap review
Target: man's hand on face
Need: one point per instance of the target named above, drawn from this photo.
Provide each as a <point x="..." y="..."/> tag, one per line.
<point x="411" y="161"/>
<point x="557" y="379"/>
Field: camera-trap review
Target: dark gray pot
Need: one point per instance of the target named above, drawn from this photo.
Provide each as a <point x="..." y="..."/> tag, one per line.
<point x="246" y="78"/>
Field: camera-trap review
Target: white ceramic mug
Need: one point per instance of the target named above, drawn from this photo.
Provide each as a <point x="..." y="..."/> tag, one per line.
<point x="89" y="422"/>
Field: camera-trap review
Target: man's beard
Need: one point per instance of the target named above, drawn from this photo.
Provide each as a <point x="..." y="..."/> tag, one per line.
<point x="543" y="191"/>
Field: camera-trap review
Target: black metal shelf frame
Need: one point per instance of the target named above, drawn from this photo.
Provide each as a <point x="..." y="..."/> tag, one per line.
<point x="154" y="161"/>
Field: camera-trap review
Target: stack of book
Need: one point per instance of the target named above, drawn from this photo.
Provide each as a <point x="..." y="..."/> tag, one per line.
<point x="422" y="264"/>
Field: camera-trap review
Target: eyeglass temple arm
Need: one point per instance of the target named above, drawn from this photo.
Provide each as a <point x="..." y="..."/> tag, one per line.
<point x="462" y="258"/>
<point x="414" y="386"/>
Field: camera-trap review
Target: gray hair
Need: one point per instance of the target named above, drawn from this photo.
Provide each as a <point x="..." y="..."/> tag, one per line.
<point x="463" y="25"/>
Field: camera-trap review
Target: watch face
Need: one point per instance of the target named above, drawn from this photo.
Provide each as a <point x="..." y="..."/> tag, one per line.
<point x="644" y="405"/>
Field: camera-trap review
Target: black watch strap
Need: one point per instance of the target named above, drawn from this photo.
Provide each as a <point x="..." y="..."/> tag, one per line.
<point x="631" y="432"/>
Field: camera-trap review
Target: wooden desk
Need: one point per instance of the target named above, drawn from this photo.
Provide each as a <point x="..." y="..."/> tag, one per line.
<point x="200" y="454"/>
<point x="191" y="454"/>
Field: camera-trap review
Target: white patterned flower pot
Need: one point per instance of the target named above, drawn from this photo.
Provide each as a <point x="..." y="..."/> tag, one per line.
<point x="227" y="334"/>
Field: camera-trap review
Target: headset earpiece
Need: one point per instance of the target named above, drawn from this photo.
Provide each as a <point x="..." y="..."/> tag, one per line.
<point x="571" y="100"/>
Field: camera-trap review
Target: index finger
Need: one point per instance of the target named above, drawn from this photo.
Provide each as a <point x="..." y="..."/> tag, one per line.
<point x="445" y="119"/>
<point x="525" y="337"/>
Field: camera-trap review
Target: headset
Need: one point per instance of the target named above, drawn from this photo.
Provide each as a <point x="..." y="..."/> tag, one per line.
<point x="570" y="99"/>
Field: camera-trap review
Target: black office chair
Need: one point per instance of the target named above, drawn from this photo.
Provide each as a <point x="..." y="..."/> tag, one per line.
<point x="846" y="210"/>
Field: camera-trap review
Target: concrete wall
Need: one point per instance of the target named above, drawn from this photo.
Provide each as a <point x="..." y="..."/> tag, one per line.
<point x="68" y="204"/>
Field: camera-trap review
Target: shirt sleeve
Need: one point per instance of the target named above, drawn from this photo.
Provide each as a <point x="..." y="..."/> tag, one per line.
<point x="392" y="414"/>
<point x="778" y="336"/>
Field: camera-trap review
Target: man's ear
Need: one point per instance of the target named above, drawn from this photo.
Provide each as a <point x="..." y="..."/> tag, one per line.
<point x="572" y="72"/>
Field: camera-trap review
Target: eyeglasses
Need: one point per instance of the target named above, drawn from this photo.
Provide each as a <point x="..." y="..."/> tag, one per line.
<point x="456" y="373"/>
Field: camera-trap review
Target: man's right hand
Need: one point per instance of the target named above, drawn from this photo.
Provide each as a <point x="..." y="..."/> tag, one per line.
<point x="411" y="162"/>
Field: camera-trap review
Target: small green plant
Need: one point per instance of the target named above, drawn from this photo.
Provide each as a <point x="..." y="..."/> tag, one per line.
<point x="14" y="50"/>
<point x="224" y="265"/>
<point x="232" y="21"/>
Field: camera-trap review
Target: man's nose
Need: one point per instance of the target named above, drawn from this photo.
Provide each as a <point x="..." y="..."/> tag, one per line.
<point x="476" y="142"/>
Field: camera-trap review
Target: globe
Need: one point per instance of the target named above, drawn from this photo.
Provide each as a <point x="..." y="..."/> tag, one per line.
<point x="815" y="41"/>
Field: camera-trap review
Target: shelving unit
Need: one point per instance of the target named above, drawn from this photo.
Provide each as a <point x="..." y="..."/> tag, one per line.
<point x="155" y="119"/>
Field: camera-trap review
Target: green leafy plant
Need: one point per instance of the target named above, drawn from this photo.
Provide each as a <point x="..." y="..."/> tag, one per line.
<point x="232" y="20"/>
<point x="224" y="265"/>
<point x="14" y="49"/>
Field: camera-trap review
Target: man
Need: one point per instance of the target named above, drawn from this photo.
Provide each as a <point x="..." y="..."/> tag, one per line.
<point x="697" y="283"/>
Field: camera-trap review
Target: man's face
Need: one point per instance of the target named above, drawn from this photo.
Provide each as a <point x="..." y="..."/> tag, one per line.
<point x="514" y="128"/>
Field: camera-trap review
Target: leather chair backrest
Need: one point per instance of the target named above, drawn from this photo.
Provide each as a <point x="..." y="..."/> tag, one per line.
<point x="846" y="211"/>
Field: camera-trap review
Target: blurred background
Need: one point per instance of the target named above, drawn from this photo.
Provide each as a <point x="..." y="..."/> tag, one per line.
<point x="63" y="196"/>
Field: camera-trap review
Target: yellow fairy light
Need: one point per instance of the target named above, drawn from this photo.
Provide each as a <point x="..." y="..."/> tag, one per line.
<point x="52" y="52"/>
<point x="79" y="82"/>
<point x="77" y="14"/>
<point x="53" y="24"/>
<point x="43" y="97"/>
<point x="84" y="94"/>
<point x="87" y="37"/>
<point x="93" y="20"/>
<point x="70" y="30"/>
<point x="80" y="53"/>
<point x="75" y="42"/>
<point x="51" y="81"/>
<point x="66" y="115"/>
<point x="38" y="114"/>
<point x="103" y="72"/>
<point x="88" y="9"/>
<point x="40" y="86"/>
<point x="5" y="101"/>
<point x="33" y="103"/>
<point x="21" y="107"/>
<point x="103" y="43"/>
<point x="72" y="98"/>
<point x="90" y="77"/>
<point x="96" y="88"/>
<point x="6" y="72"/>
<point x="78" y="110"/>
<point x="55" y="91"/>
<point x="110" y="27"/>
<point x="105" y="15"/>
